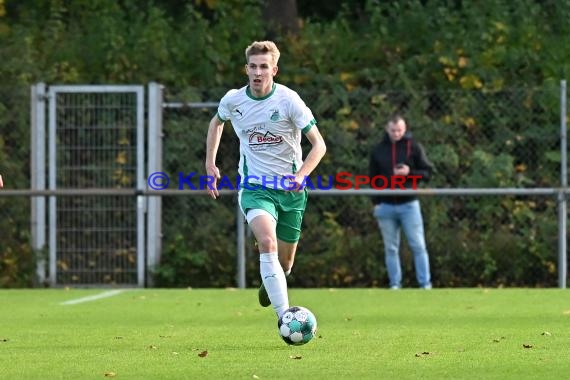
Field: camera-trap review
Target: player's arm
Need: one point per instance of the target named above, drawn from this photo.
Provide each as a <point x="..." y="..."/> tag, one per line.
<point x="318" y="150"/>
<point x="215" y="130"/>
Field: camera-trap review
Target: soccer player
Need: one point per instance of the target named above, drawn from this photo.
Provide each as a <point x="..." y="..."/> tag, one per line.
<point x="269" y="120"/>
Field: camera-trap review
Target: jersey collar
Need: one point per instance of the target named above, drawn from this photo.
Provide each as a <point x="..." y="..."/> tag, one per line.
<point x="249" y="94"/>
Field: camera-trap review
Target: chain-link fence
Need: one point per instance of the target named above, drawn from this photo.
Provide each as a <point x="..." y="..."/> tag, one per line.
<point x="502" y="139"/>
<point x="94" y="136"/>
<point x="17" y="262"/>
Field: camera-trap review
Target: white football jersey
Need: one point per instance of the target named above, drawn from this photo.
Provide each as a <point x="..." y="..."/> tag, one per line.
<point x="269" y="131"/>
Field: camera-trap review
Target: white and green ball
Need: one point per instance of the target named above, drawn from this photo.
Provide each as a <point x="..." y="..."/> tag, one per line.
<point x="297" y="325"/>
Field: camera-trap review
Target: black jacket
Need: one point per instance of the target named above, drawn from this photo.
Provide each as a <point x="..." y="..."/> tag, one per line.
<point x="386" y="155"/>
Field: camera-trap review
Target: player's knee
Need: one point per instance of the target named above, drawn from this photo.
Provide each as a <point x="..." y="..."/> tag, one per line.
<point x="267" y="243"/>
<point x="287" y="265"/>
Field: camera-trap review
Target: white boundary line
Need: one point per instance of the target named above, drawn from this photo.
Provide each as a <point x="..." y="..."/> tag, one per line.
<point x="95" y="297"/>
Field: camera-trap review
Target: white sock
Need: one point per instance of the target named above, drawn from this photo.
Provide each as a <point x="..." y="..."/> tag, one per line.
<point x="274" y="281"/>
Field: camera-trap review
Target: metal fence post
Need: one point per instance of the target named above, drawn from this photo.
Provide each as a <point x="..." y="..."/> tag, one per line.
<point x="38" y="177"/>
<point x="154" y="214"/>
<point x="52" y="184"/>
<point x="240" y="248"/>
<point x="141" y="267"/>
<point x="562" y="206"/>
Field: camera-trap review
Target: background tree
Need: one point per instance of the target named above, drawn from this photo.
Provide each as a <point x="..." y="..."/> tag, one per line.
<point x="479" y="85"/>
<point x="282" y="17"/>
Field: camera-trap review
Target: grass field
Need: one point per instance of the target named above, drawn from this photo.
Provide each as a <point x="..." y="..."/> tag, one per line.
<point x="225" y="334"/>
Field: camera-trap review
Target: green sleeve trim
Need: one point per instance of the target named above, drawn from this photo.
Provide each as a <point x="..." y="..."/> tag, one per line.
<point x="309" y="126"/>
<point x="220" y="118"/>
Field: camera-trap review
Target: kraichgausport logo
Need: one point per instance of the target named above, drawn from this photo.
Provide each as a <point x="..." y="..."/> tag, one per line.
<point x="340" y="181"/>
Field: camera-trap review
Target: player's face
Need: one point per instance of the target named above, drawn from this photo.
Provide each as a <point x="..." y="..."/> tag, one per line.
<point x="260" y="71"/>
<point x="396" y="130"/>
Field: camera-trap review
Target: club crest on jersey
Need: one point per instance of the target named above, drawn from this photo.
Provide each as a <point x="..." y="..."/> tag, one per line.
<point x="274" y="116"/>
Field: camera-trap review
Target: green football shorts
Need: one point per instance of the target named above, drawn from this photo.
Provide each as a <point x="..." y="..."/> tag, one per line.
<point x="287" y="207"/>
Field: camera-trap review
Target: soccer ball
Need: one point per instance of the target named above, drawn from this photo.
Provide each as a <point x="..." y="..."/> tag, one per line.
<point x="297" y="325"/>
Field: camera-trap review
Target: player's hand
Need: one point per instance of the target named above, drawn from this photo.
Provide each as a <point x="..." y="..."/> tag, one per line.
<point x="403" y="170"/>
<point x="1" y="182"/>
<point x="295" y="183"/>
<point x="213" y="172"/>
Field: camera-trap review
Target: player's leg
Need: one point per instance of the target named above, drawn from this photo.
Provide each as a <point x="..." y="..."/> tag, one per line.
<point x="413" y="225"/>
<point x="290" y="208"/>
<point x="287" y="252"/>
<point x="291" y="211"/>
<point x="259" y="209"/>
<point x="272" y="275"/>
<point x="389" y="226"/>
<point x="262" y="296"/>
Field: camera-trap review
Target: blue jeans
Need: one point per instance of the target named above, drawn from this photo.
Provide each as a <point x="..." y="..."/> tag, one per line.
<point x="392" y="218"/>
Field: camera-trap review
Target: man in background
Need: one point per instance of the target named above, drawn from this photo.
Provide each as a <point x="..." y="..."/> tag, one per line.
<point x="400" y="155"/>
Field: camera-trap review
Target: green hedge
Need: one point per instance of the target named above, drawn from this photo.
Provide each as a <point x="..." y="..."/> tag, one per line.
<point x="478" y="84"/>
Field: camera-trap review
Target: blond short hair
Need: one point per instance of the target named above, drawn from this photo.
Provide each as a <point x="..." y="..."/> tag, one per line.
<point x="263" y="47"/>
